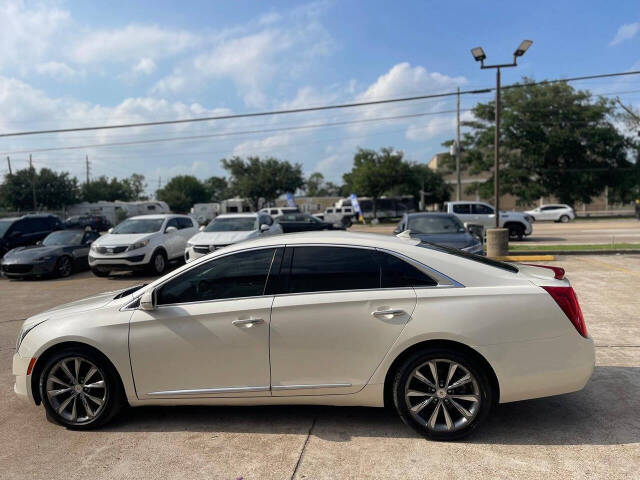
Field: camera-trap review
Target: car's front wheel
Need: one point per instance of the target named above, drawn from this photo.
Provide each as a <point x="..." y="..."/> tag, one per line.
<point x="80" y="389"/>
<point x="158" y="263"/>
<point x="100" y="273"/>
<point x="442" y="394"/>
<point x="64" y="267"/>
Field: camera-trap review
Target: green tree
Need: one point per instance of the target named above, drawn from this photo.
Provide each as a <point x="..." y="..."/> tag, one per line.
<point x="53" y="190"/>
<point x="421" y="178"/>
<point x="137" y="186"/>
<point x="376" y="173"/>
<point x="218" y="188"/>
<point x="555" y="140"/>
<point x="262" y="179"/>
<point x="316" y="186"/>
<point x="182" y="192"/>
<point x="103" y="189"/>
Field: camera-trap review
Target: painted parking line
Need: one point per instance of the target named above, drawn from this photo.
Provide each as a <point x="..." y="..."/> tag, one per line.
<point x="611" y="266"/>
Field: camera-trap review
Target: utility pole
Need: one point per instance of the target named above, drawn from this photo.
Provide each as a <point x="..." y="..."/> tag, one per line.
<point x="33" y="184"/>
<point x="9" y="164"/>
<point x="459" y="185"/>
<point x="496" y="153"/>
<point x="87" y="166"/>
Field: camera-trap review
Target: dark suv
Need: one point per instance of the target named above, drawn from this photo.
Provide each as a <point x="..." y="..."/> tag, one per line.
<point x="26" y="230"/>
<point x="94" y="222"/>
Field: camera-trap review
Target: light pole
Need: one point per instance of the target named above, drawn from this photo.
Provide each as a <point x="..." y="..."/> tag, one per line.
<point x="479" y="56"/>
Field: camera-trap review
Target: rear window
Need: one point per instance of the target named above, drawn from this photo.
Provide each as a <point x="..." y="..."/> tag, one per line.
<point x="470" y="256"/>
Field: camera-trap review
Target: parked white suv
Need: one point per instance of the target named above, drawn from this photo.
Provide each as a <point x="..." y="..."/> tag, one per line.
<point x="276" y="212"/>
<point x="227" y="229"/>
<point x="480" y="213"/>
<point x="146" y="242"/>
<point x="556" y="212"/>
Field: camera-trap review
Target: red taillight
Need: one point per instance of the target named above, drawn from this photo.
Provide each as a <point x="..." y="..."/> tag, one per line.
<point x="566" y="299"/>
<point x="558" y="272"/>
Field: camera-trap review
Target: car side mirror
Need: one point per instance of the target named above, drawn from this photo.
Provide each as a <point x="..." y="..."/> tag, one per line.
<point x="201" y="228"/>
<point x="148" y="300"/>
<point x="110" y="230"/>
<point x="170" y="229"/>
<point x="264" y="227"/>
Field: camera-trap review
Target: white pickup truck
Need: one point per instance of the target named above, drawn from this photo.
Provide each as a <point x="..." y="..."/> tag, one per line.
<point x="480" y="213"/>
<point x="338" y="216"/>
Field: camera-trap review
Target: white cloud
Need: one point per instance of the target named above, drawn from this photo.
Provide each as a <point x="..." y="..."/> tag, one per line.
<point x="131" y="44"/>
<point x="625" y="32"/>
<point x="58" y="70"/>
<point x="27" y="33"/>
<point x="145" y="66"/>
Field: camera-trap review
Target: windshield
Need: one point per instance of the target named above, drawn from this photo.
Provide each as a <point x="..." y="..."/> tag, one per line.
<point x="63" y="237"/>
<point x="4" y="226"/>
<point x="435" y="225"/>
<point x="470" y="256"/>
<point x="149" y="225"/>
<point x="239" y="224"/>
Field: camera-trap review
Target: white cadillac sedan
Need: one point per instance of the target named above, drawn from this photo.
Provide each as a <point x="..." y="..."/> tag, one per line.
<point x="329" y="318"/>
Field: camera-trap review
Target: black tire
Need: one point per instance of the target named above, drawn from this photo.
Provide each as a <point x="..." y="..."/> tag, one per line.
<point x="157" y="267"/>
<point x="516" y="231"/>
<point x="95" y="414"/>
<point x="100" y="273"/>
<point x="479" y="387"/>
<point x="564" y="219"/>
<point x="64" y="266"/>
<point x="346" y="222"/>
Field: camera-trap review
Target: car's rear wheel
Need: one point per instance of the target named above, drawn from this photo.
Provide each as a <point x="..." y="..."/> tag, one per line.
<point x="79" y="389"/>
<point x="564" y="219"/>
<point x="64" y="267"/>
<point x="158" y="263"/>
<point x="442" y="394"/>
<point x="100" y="273"/>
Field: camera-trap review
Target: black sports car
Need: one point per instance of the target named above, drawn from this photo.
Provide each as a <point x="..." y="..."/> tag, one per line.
<point x="98" y="223"/>
<point x="302" y="222"/>
<point x="59" y="254"/>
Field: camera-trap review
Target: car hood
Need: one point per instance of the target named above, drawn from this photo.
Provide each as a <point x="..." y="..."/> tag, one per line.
<point x="117" y="239"/>
<point x="84" y="305"/>
<point x="25" y="254"/>
<point x="454" y="240"/>
<point x="221" y="238"/>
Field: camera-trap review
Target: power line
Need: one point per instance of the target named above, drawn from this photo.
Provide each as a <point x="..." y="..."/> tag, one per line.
<point x="312" y="109"/>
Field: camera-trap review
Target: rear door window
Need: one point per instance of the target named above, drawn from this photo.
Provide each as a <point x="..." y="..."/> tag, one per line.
<point x="462" y="208"/>
<point x="479" y="209"/>
<point x="323" y="269"/>
<point x="397" y="273"/>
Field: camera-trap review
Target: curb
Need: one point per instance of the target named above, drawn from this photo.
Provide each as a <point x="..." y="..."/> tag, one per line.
<point x="525" y="258"/>
<point x="575" y="252"/>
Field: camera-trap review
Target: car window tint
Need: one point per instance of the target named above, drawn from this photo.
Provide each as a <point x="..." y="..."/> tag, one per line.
<point x="243" y="274"/>
<point x="185" y="222"/>
<point x="480" y="209"/>
<point x="396" y="273"/>
<point x="463" y="208"/>
<point x="320" y="269"/>
<point x="173" y="222"/>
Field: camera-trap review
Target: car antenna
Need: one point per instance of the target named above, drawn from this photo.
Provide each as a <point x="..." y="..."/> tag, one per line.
<point x="405" y="234"/>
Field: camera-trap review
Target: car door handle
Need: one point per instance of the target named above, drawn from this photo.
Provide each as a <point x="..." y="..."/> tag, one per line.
<point x="247" y="322"/>
<point x="386" y="313"/>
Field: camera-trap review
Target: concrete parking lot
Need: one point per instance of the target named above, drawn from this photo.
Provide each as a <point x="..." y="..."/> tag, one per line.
<point x="594" y="433"/>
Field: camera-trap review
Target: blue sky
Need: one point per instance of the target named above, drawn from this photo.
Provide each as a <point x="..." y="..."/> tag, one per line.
<point x="71" y="64"/>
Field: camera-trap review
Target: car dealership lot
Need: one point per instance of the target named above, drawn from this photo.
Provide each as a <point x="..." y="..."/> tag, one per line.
<point x="594" y="432"/>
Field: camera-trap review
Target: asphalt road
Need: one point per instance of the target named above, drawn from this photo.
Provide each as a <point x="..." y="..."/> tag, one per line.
<point x="573" y="233"/>
<point x="593" y="433"/>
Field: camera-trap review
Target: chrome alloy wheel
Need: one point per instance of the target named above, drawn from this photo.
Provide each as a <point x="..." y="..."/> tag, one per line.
<point x="442" y="395"/>
<point x="76" y="390"/>
<point x="159" y="263"/>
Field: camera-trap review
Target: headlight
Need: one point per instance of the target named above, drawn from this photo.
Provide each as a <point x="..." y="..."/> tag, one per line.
<point x="190" y="243"/>
<point x="138" y="245"/>
<point x="24" y="331"/>
<point x="94" y="247"/>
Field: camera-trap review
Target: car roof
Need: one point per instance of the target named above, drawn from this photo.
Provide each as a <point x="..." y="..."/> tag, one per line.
<point x="157" y="216"/>
<point x="237" y="215"/>
<point x="430" y="214"/>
